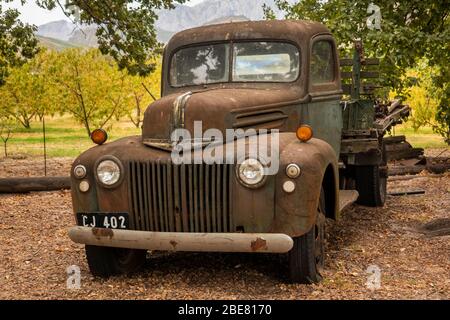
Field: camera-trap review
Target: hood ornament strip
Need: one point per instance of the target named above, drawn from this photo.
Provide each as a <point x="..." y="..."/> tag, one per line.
<point x="179" y="110"/>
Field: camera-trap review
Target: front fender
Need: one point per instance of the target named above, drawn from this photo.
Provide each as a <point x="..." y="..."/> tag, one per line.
<point x="295" y="213"/>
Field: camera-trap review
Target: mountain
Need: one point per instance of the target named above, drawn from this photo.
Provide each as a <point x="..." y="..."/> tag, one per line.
<point x="55" y="44"/>
<point x="84" y="36"/>
<point x="61" y="30"/>
<point x="185" y="17"/>
<point x="169" y="21"/>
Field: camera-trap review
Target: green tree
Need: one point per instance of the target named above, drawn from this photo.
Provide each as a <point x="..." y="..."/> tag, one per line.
<point x="6" y="130"/>
<point x="125" y="28"/>
<point x="90" y="87"/>
<point x="144" y="90"/>
<point x="410" y="30"/>
<point x="17" y="42"/>
<point x="26" y="94"/>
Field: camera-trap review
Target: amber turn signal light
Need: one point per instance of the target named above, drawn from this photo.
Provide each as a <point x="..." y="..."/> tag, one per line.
<point x="99" y="136"/>
<point x="304" y="133"/>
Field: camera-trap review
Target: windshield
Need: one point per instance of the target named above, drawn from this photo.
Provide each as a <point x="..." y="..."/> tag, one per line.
<point x="251" y="62"/>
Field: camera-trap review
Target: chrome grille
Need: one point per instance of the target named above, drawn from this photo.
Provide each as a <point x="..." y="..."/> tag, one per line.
<point x="180" y="198"/>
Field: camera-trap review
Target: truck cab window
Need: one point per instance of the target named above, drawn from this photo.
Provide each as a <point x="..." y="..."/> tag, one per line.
<point x="322" y="62"/>
<point x="265" y="62"/>
<point x="200" y="65"/>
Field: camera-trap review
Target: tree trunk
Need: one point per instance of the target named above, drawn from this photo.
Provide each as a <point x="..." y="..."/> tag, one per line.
<point x="88" y="129"/>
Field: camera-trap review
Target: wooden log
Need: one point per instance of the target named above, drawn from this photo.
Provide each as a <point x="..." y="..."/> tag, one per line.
<point x="398" y="146"/>
<point x="393" y="105"/>
<point x="22" y="185"/>
<point x="405" y="154"/>
<point x="404" y="170"/>
<point x="394" y="139"/>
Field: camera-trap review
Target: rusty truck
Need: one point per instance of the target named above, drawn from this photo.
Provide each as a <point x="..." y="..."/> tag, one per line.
<point x="130" y="197"/>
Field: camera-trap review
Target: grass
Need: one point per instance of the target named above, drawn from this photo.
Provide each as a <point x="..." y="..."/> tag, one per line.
<point x="422" y="138"/>
<point x="66" y="138"/>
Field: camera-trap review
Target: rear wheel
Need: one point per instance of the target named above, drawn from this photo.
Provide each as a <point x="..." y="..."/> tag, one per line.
<point x="106" y="261"/>
<point x="371" y="182"/>
<point x="306" y="258"/>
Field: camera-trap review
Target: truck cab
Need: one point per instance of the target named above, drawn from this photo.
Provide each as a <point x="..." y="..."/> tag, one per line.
<point x="225" y="86"/>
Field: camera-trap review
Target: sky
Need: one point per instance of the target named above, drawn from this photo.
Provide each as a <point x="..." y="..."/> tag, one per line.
<point x="32" y="14"/>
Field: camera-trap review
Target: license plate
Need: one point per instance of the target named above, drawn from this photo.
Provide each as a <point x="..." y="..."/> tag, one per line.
<point x="103" y="220"/>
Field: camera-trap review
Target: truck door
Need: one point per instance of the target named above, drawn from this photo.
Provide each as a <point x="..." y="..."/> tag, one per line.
<point x="323" y="113"/>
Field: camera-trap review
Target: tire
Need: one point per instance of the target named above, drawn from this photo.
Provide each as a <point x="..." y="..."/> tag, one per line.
<point x="105" y="261"/>
<point x="371" y="184"/>
<point x="306" y="258"/>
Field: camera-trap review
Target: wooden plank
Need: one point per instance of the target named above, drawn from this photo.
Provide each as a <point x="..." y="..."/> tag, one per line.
<point x="371" y="61"/>
<point x="406" y="192"/>
<point x="346" y="62"/>
<point x="346" y="198"/>
<point x="346" y="75"/>
<point x="369" y="74"/>
<point x="367" y="62"/>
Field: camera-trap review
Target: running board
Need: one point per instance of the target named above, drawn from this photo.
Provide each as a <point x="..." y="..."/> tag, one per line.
<point x="346" y="198"/>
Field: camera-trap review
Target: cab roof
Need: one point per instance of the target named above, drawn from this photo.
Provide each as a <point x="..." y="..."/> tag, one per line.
<point x="297" y="31"/>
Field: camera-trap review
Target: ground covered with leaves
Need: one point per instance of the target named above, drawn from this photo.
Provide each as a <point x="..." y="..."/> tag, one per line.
<point x="412" y="255"/>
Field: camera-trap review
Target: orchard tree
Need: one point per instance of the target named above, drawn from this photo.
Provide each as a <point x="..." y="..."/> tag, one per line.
<point x="125" y="28"/>
<point x="90" y="87"/>
<point x="408" y="31"/>
<point x="6" y="130"/>
<point x="26" y="94"/>
<point x="144" y="90"/>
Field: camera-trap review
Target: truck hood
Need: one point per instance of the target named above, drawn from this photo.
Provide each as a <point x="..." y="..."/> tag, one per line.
<point x="217" y="109"/>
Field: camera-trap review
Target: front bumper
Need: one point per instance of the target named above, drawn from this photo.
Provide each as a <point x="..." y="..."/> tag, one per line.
<point x="183" y="241"/>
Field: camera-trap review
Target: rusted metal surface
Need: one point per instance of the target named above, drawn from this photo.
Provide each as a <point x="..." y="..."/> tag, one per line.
<point x="295" y="212"/>
<point x="181" y="241"/>
<point x="162" y="197"/>
<point x="266" y="209"/>
<point x="234" y="105"/>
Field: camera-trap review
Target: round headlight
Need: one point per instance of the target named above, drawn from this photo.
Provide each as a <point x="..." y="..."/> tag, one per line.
<point x="251" y="172"/>
<point x="108" y="172"/>
<point x="79" y="171"/>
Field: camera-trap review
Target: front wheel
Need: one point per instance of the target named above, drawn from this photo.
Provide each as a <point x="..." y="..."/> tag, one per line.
<point x="306" y="258"/>
<point x="105" y="261"/>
